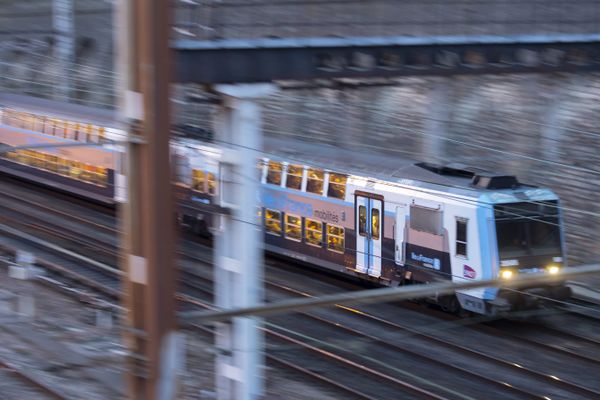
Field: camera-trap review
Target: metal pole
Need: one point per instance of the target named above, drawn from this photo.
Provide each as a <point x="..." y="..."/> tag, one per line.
<point x="238" y="246"/>
<point x="148" y="224"/>
<point x="436" y="124"/>
<point x="62" y="22"/>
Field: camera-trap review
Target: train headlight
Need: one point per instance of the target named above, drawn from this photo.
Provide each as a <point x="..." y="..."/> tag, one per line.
<point x="506" y="274"/>
<point x="553" y="269"/>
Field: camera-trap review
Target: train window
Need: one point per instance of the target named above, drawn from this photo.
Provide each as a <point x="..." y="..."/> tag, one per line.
<point x="426" y="219"/>
<point x="362" y="220"/>
<point x="375" y="223"/>
<point x="337" y="186"/>
<point x="461" y="237"/>
<point x="293" y="227"/>
<point x="11" y="155"/>
<point x="75" y="127"/>
<point x="43" y="124"/>
<point x="69" y="130"/>
<point x="294" y="176"/>
<point x="273" y="222"/>
<point x="63" y="166"/>
<point x="38" y="160"/>
<point x="212" y="184"/>
<point x="59" y="165"/>
<point x="51" y="162"/>
<point x="64" y="129"/>
<point x="274" y="174"/>
<point x="88" y="133"/>
<point x="314" y="182"/>
<point x="50" y="126"/>
<point x="335" y="238"/>
<point x="199" y="180"/>
<point x="313" y="232"/>
<point x="87" y="173"/>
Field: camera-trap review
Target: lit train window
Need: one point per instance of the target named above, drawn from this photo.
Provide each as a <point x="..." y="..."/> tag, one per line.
<point x="212" y="184"/>
<point x="75" y="127"/>
<point x="313" y="232"/>
<point x="273" y="222"/>
<point x="337" y="186"/>
<point x="88" y="133"/>
<point x="63" y="166"/>
<point x="335" y="238"/>
<point x="50" y="162"/>
<point x="75" y="169"/>
<point x="362" y="220"/>
<point x="461" y="237"/>
<point x="293" y="227"/>
<point x="314" y="182"/>
<point x="274" y="174"/>
<point x="375" y="223"/>
<point x="198" y="180"/>
<point x="294" y="176"/>
<point x="69" y="130"/>
<point x="51" y="126"/>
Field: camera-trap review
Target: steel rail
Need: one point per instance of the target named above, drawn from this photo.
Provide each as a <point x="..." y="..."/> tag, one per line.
<point x="31" y="380"/>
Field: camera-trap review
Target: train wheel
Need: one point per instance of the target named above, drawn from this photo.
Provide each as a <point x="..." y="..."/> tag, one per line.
<point x="453" y="306"/>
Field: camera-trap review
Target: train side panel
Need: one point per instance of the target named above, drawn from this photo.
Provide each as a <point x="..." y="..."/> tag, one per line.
<point x="85" y="171"/>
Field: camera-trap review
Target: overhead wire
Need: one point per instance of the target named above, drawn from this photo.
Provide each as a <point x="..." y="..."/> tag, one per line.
<point x="467" y="201"/>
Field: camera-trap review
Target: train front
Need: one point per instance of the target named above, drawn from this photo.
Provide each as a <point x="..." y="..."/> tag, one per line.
<point x="530" y="240"/>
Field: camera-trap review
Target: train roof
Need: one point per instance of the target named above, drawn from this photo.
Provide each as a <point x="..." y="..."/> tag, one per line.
<point x="461" y="180"/>
<point x="61" y="110"/>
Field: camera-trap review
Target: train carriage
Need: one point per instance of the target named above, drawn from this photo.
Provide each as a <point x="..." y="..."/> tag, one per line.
<point x="397" y="222"/>
<point x="379" y="218"/>
<point x="82" y="154"/>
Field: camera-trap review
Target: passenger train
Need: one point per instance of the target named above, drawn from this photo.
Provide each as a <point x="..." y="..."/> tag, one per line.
<point x="378" y="218"/>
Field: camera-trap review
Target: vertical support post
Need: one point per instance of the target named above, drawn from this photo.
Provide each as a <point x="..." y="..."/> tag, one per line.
<point x="435" y="125"/>
<point x="148" y="226"/>
<point x="553" y="130"/>
<point x="238" y="247"/>
<point x="62" y="22"/>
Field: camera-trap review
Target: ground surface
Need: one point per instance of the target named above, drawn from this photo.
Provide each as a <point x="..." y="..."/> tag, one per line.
<point x="63" y="347"/>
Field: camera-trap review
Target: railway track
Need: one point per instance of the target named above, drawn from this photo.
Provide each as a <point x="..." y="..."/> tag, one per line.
<point x="35" y="383"/>
<point x="305" y="347"/>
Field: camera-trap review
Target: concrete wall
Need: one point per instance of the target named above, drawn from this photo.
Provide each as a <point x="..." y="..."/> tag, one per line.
<point x="260" y="18"/>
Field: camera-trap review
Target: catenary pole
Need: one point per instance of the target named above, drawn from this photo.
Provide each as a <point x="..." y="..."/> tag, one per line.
<point x="143" y="61"/>
<point x="238" y="244"/>
<point x="63" y="25"/>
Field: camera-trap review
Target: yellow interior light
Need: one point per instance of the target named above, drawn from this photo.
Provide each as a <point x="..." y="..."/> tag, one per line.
<point x="553" y="269"/>
<point x="506" y="274"/>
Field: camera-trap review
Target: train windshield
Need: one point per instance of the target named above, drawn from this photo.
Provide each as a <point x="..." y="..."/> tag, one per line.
<point x="528" y="228"/>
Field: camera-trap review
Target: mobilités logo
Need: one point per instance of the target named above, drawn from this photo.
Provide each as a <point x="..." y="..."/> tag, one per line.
<point x="469" y="272"/>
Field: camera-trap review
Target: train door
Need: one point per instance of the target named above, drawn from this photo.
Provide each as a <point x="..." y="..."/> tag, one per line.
<point x="400" y="234"/>
<point x="369" y="233"/>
